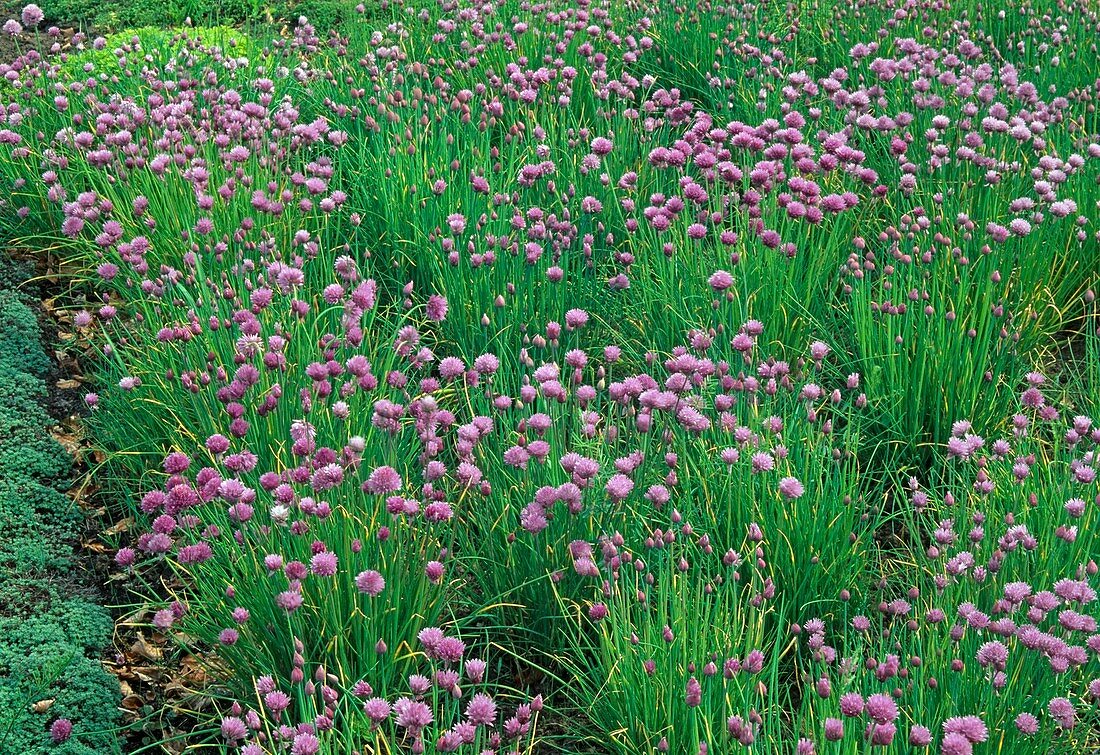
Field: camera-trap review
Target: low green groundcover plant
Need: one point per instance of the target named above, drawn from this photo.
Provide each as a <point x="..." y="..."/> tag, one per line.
<point x="55" y="695"/>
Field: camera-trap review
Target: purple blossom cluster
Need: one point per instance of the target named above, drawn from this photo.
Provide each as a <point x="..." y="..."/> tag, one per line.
<point x="438" y="708"/>
<point x="1002" y="603"/>
<point x="680" y="627"/>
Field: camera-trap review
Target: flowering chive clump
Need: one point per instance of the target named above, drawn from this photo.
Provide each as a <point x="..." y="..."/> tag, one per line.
<point x="591" y="460"/>
<point x="620" y="341"/>
<point x="995" y="633"/>
<point x="683" y="633"/>
<point x="445" y="708"/>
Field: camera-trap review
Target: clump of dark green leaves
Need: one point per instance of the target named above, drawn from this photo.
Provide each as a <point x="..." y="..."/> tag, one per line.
<point x="50" y="633"/>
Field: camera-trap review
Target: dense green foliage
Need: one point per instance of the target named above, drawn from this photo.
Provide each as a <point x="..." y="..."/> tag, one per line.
<point x="134" y="14"/>
<point x="50" y="636"/>
<point x="18" y="328"/>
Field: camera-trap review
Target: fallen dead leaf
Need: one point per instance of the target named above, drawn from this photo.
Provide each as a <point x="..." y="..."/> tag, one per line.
<point x="134" y="618"/>
<point x="193" y="670"/>
<point x="148" y="674"/>
<point x="120" y="526"/>
<point x="42" y="706"/>
<point x="70" y="443"/>
<point x="145" y="650"/>
<point x="132" y="702"/>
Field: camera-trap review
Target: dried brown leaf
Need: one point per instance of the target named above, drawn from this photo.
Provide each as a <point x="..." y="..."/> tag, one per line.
<point x="145" y="650"/>
<point x="120" y="526"/>
<point x="132" y="702"/>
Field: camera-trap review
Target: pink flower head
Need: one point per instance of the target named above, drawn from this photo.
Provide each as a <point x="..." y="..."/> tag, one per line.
<point x="693" y="695"/>
<point x="412" y="714"/>
<point x="437" y="308"/>
<point x="919" y="736"/>
<point x="720" y="280"/>
<point x="619" y="487"/>
<point x="881" y="708"/>
<point x="1062" y="711"/>
<point x="323" y="564"/>
<point x="1027" y="724"/>
<point x="32" y="15"/>
<point x="481" y="710"/>
<point x="377" y="709"/>
<point x="61" y="730"/>
<point x="971" y="727"/>
<point x="370" y="582"/>
<point x="383" y="480"/>
<point x="790" y="488"/>
<point x="576" y="318"/>
<point x="233" y="729"/>
<point x="851" y="704"/>
<point x="956" y="744"/>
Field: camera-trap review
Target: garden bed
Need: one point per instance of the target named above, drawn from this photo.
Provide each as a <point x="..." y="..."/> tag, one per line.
<point x="501" y="378"/>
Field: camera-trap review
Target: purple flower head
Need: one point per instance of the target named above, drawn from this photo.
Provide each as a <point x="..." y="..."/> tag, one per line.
<point x="370" y="582"/>
<point x="437" y="308"/>
<point x="324" y="564"/>
<point x="881" y="708"/>
<point x="60" y="730"/>
<point x="1027" y="724"/>
<point x="486" y="364"/>
<point x="475" y="670"/>
<point x="693" y="696"/>
<point x="377" y="709"/>
<point x="305" y="743"/>
<point x="790" y="488"/>
<point x="32" y="15"/>
<point x="276" y="701"/>
<point x="412" y="714"/>
<point x="481" y="710"/>
<point x="233" y="729"/>
<point x="619" y="487"/>
<point x="434" y="571"/>
<point x="1062" y="711"/>
<point x="881" y="734"/>
<point x="956" y="744"/>
<point x="720" y="280"/>
<point x="851" y="704"/>
<point x="993" y="653"/>
<point x="450" y="649"/>
<point x="383" y="480"/>
<point x="971" y="727"/>
<point x="576" y="318"/>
